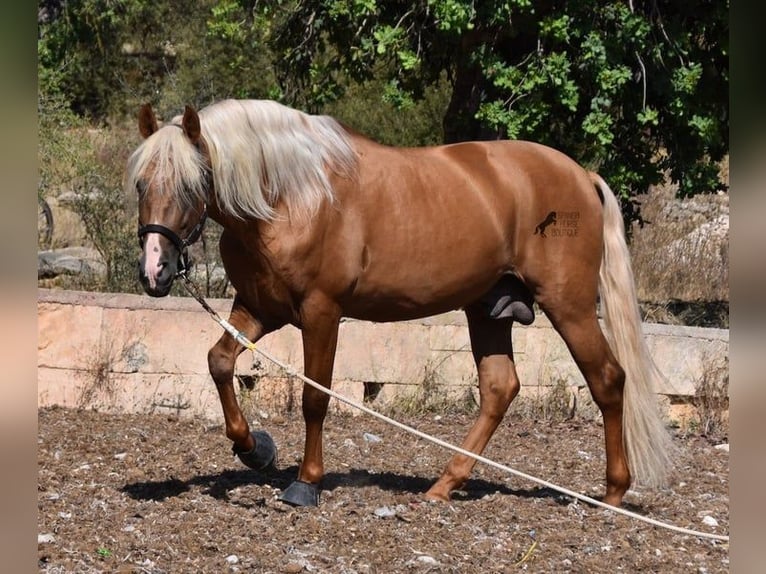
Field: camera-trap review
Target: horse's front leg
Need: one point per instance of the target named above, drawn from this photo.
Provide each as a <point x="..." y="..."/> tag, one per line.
<point x="320" y="318"/>
<point x="256" y="449"/>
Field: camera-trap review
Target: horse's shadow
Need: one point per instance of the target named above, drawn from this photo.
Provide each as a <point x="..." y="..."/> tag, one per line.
<point x="218" y="485"/>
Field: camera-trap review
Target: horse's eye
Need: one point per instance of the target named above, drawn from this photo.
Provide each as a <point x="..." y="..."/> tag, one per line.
<point x="141" y="187"/>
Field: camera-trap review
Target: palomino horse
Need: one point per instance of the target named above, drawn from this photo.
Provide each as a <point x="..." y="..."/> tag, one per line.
<point x="321" y="223"/>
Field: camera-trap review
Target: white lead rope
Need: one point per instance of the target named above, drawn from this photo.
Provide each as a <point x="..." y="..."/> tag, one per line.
<point x="245" y="342"/>
<point x="480" y="458"/>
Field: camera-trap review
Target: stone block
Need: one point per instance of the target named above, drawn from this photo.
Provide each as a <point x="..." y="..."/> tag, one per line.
<point x="137" y="354"/>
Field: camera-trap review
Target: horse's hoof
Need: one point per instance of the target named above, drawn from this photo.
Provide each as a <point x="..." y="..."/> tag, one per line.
<point x="437" y="495"/>
<point x="301" y="493"/>
<point x="263" y="456"/>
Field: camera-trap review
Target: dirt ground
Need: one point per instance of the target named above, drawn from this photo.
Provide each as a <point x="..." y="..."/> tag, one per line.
<point x="153" y="494"/>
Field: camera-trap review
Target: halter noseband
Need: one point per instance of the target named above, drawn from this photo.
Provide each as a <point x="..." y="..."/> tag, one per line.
<point x="181" y="244"/>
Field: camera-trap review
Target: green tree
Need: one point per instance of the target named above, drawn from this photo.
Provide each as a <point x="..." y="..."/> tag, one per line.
<point x="86" y="52"/>
<point x="106" y="57"/>
<point x="636" y="90"/>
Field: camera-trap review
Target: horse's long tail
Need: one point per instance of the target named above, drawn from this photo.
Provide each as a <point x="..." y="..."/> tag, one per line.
<point x="647" y="442"/>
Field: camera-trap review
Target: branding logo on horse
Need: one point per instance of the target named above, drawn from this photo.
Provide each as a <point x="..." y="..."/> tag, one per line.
<point x="550" y="219"/>
<point x="566" y="224"/>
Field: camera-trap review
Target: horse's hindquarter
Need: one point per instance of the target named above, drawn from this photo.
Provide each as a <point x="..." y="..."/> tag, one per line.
<point x="437" y="226"/>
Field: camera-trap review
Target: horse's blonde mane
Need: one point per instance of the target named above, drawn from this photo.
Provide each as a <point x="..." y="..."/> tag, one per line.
<point x="261" y="153"/>
<point x="170" y="163"/>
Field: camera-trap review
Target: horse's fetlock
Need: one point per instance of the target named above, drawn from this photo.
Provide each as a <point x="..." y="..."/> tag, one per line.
<point x="239" y="434"/>
<point x="311" y="473"/>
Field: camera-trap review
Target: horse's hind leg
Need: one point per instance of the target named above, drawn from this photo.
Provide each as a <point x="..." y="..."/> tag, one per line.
<point x="257" y="449"/>
<point x="498" y="385"/>
<point x="606" y="378"/>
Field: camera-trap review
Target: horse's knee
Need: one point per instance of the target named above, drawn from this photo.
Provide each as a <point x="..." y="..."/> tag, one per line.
<point x="220" y="362"/>
<point x="314" y="403"/>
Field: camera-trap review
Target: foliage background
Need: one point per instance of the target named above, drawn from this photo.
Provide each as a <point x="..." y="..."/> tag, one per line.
<point x="636" y="90"/>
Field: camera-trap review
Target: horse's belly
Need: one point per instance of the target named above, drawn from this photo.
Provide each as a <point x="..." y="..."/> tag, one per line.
<point x="418" y="291"/>
<point x="386" y="309"/>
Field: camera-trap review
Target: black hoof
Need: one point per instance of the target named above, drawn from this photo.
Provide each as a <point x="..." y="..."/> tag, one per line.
<point x="263" y="456"/>
<point x="301" y="493"/>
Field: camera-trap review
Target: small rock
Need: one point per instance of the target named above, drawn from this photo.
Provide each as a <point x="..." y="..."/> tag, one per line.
<point x="425" y="559"/>
<point x="292" y="568"/>
<point x="710" y="521"/>
<point x="70" y="261"/>
<point x="121" y="455"/>
<point x="724" y="447"/>
<point x="45" y="538"/>
<point x="372" y="438"/>
<point x="385" y="512"/>
<point x="129" y="528"/>
<point x="232" y="559"/>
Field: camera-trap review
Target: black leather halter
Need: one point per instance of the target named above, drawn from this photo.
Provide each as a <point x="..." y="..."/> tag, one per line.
<point x="181" y="244"/>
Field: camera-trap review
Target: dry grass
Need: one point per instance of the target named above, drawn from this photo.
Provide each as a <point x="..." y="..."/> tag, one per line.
<point x="681" y="258"/>
<point x="709" y="412"/>
<point x="555" y="403"/>
<point x="99" y="388"/>
<point x="431" y="396"/>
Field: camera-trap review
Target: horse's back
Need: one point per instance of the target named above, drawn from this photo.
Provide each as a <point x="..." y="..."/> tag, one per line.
<point x="502" y="174"/>
<point x="434" y="228"/>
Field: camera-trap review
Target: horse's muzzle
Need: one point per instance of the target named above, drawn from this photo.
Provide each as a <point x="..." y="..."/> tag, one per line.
<point x="159" y="280"/>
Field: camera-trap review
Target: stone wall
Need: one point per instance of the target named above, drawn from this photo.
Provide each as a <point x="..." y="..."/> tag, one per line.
<point x="130" y="353"/>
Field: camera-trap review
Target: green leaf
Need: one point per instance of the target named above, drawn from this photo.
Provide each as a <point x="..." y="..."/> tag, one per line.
<point x="408" y="59"/>
<point x="453" y="15"/>
<point x="704" y="126"/>
<point x="648" y="116"/>
<point x="556" y="28"/>
<point x="686" y="78"/>
<point x="396" y="96"/>
<point x="386" y="36"/>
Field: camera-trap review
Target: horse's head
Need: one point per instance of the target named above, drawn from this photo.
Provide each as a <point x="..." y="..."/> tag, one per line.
<point x="170" y="174"/>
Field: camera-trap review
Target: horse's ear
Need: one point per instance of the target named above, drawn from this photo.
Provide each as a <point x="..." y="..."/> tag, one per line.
<point x="190" y="124"/>
<point x="147" y="122"/>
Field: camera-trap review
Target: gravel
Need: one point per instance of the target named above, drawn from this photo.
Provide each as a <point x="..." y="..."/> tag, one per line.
<point x="153" y="494"/>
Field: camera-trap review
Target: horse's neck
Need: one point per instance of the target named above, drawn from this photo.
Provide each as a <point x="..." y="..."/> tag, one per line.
<point x="267" y="237"/>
